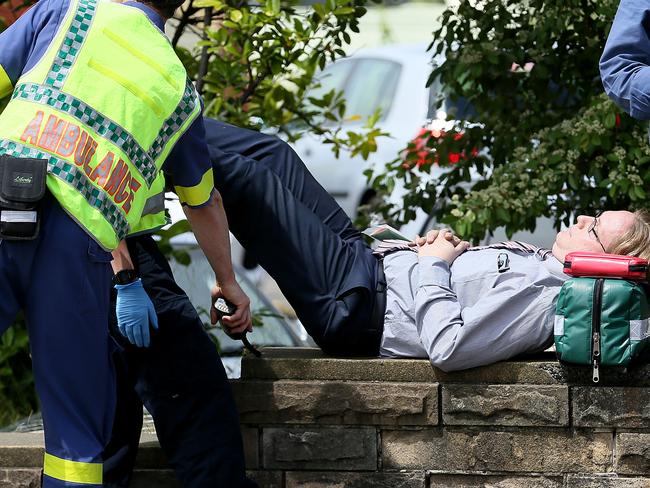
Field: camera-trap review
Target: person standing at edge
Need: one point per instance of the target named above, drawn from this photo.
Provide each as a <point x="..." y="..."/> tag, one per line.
<point x="99" y="101"/>
<point x="625" y="63"/>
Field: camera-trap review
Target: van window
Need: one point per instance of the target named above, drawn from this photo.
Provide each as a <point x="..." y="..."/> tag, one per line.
<point x="333" y="77"/>
<point x="371" y="85"/>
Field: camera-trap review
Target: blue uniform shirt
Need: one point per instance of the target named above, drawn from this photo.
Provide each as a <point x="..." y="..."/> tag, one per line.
<point x="27" y="40"/>
<point x="625" y="63"/>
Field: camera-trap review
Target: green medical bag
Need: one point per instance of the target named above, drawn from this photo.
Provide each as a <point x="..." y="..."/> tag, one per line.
<point x="601" y="322"/>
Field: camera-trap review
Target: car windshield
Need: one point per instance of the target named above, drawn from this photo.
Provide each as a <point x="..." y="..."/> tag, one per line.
<point x="367" y="84"/>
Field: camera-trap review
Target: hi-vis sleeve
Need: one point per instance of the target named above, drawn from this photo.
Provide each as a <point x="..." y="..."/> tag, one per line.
<point x="197" y="195"/>
<point x="6" y="87"/>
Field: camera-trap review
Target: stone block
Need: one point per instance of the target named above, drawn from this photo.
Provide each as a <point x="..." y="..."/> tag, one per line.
<point x="518" y="405"/>
<point x="538" y="369"/>
<point x="482" y="481"/>
<point x="20" y="478"/>
<point x="357" y="403"/>
<point x="267" y="479"/>
<point x="21" y="457"/>
<point x="611" y="407"/>
<point x="333" y="448"/>
<point x="538" y="450"/>
<point x="250" y="437"/>
<point x="611" y="481"/>
<point x="339" y="479"/>
<point x="632" y="453"/>
<point x="21" y="450"/>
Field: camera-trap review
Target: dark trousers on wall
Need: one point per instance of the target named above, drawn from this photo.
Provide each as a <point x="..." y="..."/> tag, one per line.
<point x="300" y="236"/>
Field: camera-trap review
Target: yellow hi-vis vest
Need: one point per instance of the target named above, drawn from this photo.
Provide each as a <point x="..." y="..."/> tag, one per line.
<point x="105" y="105"/>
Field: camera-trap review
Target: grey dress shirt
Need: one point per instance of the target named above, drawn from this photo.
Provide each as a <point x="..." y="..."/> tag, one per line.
<point x="472" y="314"/>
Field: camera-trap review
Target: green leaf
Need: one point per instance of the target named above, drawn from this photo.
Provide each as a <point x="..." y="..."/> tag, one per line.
<point x="236" y="15"/>
<point x="610" y="121"/>
<point x="639" y="192"/>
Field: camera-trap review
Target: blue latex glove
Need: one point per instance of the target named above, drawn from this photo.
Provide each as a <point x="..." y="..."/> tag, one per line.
<point x="134" y="313"/>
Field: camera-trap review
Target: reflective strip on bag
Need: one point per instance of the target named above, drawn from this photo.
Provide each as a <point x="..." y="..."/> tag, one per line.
<point x="72" y="471"/>
<point x="639" y="330"/>
<point x="558" y="325"/>
<point x="18" y="216"/>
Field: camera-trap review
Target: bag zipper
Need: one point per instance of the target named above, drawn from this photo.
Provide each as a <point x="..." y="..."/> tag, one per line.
<point x="595" y="329"/>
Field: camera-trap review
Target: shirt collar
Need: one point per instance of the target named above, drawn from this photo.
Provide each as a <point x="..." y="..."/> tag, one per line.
<point x="555" y="267"/>
<point x="154" y="16"/>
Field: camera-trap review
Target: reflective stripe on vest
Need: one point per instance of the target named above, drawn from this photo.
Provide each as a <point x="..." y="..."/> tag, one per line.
<point x="87" y="135"/>
<point x="72" y="471"/>
<point x="72" y="43"/>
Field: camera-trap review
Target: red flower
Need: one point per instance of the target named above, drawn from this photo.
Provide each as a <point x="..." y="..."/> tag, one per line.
<point x="618" y="121"/>
<point x="458" y="136"/>
<point x="454" y="158"/>
<point x="422" y="158"/>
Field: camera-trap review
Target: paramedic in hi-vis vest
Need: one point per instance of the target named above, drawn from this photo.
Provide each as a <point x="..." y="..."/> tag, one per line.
<point x="99" y="107"/>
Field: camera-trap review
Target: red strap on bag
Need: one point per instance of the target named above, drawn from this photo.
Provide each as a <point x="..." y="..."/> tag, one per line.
<point x="601" y="265"/>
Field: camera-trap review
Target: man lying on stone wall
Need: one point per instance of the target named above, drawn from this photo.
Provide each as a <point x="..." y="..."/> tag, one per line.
<point x="438" y="298"/>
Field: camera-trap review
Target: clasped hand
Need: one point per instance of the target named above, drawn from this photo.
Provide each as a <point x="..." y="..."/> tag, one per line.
<point x="442" y="244"/>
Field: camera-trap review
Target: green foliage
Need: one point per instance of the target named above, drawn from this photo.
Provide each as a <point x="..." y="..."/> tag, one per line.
<point x="263" y="63"/>
<point x="164" y="243"/>
<point x="542" y="138"/>
<point x="17" y="394"/>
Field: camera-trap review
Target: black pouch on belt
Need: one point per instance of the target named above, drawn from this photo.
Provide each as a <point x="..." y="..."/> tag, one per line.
<point x="22" y="187"/>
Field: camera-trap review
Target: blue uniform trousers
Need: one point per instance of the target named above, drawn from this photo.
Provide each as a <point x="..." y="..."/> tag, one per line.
<point x="300" y="236"/>
<point x="181" y="381"/>
<point x="61" y="280"/>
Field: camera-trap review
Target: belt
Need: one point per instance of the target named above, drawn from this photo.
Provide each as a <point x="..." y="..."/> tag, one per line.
<point x="379" y="306"/>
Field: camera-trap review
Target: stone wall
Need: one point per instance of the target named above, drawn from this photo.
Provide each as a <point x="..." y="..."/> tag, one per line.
<point x="312" y="421"/>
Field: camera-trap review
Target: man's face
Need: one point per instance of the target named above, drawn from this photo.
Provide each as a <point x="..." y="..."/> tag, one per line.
<point x="586" y="233"/>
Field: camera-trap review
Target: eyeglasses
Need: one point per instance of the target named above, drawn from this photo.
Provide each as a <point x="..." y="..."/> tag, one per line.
<point x="592" y="228"/>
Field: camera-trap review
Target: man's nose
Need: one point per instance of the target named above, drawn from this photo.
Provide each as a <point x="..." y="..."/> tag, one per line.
<point x="583" y="220"/>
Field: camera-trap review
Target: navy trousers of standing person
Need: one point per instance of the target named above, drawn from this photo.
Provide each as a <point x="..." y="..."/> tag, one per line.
<point x="300" y="236"/>
<point x="181" y="381"/>
<point x="61" y="280"/>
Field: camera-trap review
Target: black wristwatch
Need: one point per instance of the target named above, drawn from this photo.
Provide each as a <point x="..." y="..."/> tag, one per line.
<point x="125" y="277"/>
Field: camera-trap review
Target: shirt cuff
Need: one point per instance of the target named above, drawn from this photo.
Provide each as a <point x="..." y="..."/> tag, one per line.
<point x="6" y="87"/>
<point x="640" y="94"/>
<point x="197" y="195"/>
<point x="433" y="271"/>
